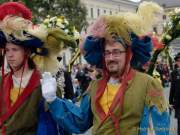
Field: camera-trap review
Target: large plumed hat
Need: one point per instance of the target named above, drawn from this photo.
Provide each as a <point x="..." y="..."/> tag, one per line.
<point x="56" y="41"/>
<point x="128" y="29"/>
<point x="16" y="27"/>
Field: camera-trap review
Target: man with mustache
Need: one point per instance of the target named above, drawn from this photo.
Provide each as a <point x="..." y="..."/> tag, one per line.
<point x="122" y="101"/>
<point x="174" y="97"/>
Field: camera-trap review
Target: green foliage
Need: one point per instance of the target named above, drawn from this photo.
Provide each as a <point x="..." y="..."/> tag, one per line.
<point x="1" y="1"/>
<point x="172" y="29"/>
<point x="61" y="23"/>
<point x="72" y="10"/>
<point x="171" y="32"/>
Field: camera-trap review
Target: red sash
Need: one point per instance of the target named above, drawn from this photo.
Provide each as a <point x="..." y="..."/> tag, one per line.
<point x="10" y="110"/>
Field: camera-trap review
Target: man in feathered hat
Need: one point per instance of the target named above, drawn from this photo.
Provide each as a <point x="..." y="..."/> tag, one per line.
<point x="122" y="101"/>
<point x="20" y="91"/>
<point x="174" y="98"/>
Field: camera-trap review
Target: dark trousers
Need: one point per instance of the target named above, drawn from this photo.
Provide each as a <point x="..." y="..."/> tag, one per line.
<point x="178" y="126"/>
<point x="177" y="116"/>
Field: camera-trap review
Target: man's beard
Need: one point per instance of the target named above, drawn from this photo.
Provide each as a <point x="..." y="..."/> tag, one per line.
<point x="114" y="73"/>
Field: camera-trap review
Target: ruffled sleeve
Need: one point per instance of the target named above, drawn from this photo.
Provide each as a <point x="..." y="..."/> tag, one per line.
<point x="155" y="117"/>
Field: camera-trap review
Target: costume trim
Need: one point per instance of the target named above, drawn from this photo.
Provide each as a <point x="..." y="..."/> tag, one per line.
<point x="119" y="98"/>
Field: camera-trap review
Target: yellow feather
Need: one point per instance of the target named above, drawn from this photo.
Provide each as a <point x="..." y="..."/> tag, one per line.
<point x="150" y="13"/>
<point x="56" y="41"/>
<point x="140" y="23"/>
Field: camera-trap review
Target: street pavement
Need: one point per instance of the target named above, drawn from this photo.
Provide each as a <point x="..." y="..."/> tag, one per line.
<point x="173" y="121"/>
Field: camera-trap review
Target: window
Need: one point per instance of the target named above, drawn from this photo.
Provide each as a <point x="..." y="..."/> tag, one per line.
<point x="91" y="12"/>
<point x="98" y="12"/>
<point x="164" y="17"/>
<point x="119" y="8"/>
<point x="110" y="12"/>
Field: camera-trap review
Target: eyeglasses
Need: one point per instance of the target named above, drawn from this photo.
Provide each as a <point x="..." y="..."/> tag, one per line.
<point x="115" y="53"/>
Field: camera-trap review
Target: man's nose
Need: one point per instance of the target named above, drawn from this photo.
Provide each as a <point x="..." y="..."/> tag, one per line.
<point x="110" y="56"/>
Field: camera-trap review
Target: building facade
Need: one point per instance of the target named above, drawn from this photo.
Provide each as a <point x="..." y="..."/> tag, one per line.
<point x="96" y="8"/>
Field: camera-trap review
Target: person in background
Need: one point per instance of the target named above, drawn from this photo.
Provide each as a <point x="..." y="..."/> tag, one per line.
<point x="174" y="98"/>
<point x="64" y="77"/>
<point x="83" y="78"/>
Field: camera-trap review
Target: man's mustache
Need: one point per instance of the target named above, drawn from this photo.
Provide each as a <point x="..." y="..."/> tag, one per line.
<point x="112" y="62"/>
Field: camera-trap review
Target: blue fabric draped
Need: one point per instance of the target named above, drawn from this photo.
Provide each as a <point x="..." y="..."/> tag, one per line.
<point x="94" y="51"/>
<point x="141" y="48"/>
<point x="46" y="124"/>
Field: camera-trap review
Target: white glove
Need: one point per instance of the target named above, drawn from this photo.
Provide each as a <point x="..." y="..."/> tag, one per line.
<point x="49" y="87"/>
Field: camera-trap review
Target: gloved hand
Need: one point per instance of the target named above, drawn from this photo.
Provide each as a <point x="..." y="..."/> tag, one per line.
<point x="49" y="87"/>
